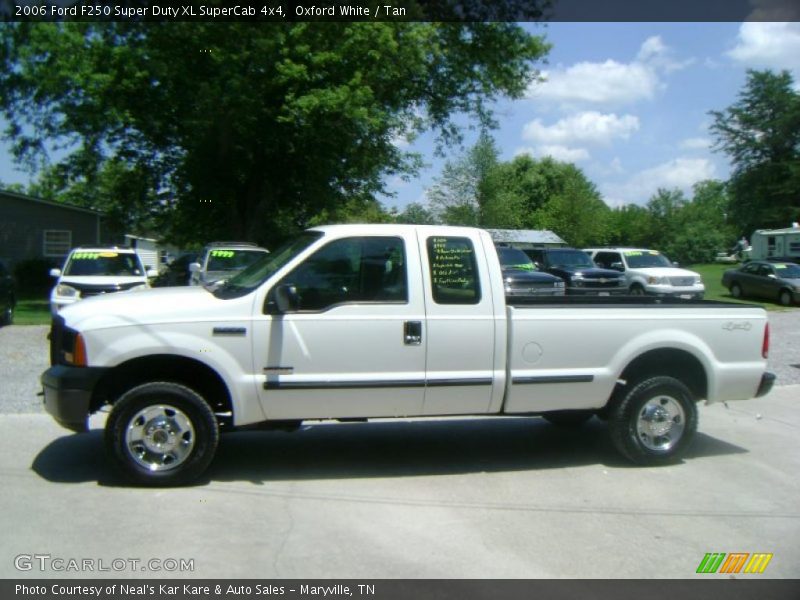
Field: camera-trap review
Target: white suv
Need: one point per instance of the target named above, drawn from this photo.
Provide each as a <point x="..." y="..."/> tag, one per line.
<point x="92" y="271"/>
<point x="221" y="260"/>
<point x="649" y="272"/>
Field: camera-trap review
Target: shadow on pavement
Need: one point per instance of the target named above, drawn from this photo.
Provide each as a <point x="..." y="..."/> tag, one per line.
<point x="376" y="449"/>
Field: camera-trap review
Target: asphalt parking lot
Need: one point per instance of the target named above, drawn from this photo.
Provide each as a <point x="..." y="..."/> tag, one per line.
<point x="471" y="498"/>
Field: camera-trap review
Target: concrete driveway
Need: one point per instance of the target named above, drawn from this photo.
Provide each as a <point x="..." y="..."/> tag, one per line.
<point x="475" y="498"/>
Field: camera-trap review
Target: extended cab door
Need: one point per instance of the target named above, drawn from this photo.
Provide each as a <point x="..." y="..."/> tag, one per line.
<point x="465" y="323"/>
<point x="354" y="344"/>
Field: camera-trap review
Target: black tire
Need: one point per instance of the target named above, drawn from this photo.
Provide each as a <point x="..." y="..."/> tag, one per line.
<point x="636" y="290"/>
<point x="568" y="418"/>
<point x="736" y="290"/>
<point x="162" y="434"/>
<point x="655" y="422"/>
<point x="785" y="298"/>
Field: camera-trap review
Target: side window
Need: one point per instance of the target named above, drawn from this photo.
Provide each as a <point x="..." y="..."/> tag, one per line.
<point x="765" y="270"/>
<point x="364" y="269"/>
<point x="606" y="259"/>
<point x="454" y="271"/>
<point x="751" y="268"/>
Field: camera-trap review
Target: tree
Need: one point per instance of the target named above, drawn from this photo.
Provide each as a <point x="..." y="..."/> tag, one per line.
<point x="548" y="194"/>
<point x="465" y="186"/>
<point x="248" y="132"/>
<point x="416" y="214"/>
<point x="760" y="133"/>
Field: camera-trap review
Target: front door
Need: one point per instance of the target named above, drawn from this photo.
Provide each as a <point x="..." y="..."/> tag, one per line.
<point x="355" y="344"/>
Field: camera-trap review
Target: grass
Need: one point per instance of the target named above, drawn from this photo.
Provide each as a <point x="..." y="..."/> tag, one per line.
<point x="32" y="311"/>
<point x="712" y="278"/>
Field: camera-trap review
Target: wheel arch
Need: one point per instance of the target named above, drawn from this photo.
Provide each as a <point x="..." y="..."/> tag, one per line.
<point x="674" y="362"/>
<point x="186" y="371"/>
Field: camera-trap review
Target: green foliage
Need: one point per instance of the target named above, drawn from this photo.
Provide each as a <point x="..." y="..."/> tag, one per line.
<point x="466" y="185"/>
<point x="760" y="133"/>
<point x="416" y="214"/>
<point x="524" y="193"/>
<point x="206" y="132"/>
<point x="688" y="231"/>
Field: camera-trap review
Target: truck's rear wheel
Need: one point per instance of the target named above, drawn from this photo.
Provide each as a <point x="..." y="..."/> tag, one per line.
<point x="162" y="433"/>
<point x="655" y="421"/>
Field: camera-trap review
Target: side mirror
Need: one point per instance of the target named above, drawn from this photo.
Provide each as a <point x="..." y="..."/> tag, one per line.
<point x="55" y="272"/>
<point x="286" y="298"/>
<point x="617" y="266"/>
<point x="676" y="264"/>
<point x="772" y="276"/>
<point x="151" y="272"/>
<point x="194" y="267"/>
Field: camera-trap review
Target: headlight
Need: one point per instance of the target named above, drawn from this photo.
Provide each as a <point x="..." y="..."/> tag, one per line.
<point x="559" y="284"/>
<point x="577" y="276"/>
<point x="698" y="280"/>
<point x="143" y="286"/>
<point x="66" y="291"/>
<point x="658" y="280"/>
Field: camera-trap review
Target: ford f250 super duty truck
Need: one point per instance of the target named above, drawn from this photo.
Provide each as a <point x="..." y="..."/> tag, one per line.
<point x="366" y="321"/>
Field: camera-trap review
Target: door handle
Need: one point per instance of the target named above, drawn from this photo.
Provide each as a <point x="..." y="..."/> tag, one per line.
<point x="412" y="333"/>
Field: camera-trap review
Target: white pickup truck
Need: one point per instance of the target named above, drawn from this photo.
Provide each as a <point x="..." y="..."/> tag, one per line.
<point x="367" y="321"/>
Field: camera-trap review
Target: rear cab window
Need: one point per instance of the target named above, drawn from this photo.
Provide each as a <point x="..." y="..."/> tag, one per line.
<point x="453" y="270"/>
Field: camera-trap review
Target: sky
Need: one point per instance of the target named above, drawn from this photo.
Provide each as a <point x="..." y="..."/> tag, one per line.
<point x="628" y="103"/>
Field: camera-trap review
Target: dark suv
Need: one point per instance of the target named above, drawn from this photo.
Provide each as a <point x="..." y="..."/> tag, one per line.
<point x="522" y="279"/>
<point x="7" y="298"/>
<point x="580" y="274"/>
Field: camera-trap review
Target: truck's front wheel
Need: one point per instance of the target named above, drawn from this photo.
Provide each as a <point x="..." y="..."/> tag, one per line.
<point x="162" y="433"/>
<point x="655" y="421"/>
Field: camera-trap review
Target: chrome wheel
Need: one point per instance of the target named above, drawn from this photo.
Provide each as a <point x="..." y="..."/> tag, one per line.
<point x="661" y="423"/>
<point x="160" y="437"/>
<point x="655" y="421"/>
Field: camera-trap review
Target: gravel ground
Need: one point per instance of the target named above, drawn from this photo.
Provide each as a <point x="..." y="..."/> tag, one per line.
<point x="24" y="355"/>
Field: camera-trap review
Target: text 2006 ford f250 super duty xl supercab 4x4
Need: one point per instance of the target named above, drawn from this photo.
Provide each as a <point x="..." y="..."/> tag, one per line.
<point x="369" y="321"/>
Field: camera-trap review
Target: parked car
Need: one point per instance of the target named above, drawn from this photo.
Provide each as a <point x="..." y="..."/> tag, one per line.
<point x="93" y="271"/>
<point x="355" y="322"/>
<point x="8" y="296"/>
<point x="650" y="272"/>
<point x="221" y="260"/>
<point x="176" y="272"/>
<point x="765" y="279"/>
<point x="521" y="278"/>
<point x="580" y="274"/>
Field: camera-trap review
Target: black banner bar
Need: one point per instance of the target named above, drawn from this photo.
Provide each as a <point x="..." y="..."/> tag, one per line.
<point x="403" y="10"/>
<point x="383" y="589"/>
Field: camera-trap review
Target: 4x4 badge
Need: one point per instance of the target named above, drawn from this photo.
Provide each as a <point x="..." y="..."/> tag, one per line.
<point x="744" y="326"/>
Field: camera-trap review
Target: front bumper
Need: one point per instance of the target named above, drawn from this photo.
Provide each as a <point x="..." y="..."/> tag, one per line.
<point x="68" y="394"/>
<point x="685" y="294"/>
<point x="767" y="380"/>
<point x="590" y="291"/>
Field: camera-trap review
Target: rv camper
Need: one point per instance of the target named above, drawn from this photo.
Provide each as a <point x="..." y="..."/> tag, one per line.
<point x="776" y="244"/>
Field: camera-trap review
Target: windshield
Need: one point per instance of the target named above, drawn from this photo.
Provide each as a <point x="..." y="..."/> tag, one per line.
<point x="570" y="258"/>
<point x="644" y="259"/>
<point x="230" y="259"/>
<point x="513" y="258"/>
<point x="104" y="264"/>
<point x="253" y="276"/>
<point x="787" y="271"/>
